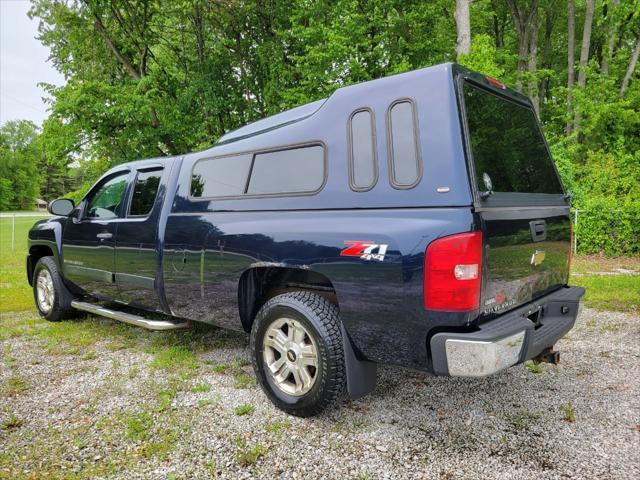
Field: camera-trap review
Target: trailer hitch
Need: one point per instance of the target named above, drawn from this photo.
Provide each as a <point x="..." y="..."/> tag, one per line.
<point x="548" y="355"/>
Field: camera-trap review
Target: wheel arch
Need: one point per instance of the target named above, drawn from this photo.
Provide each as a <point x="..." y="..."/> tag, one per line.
<point x="36" y="252"/>
<point x="258" y="284"/>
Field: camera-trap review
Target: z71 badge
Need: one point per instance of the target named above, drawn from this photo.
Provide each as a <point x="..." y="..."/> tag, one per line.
<point x="365" y="250"/>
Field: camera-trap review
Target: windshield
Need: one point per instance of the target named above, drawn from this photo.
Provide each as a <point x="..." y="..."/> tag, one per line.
<point x="509" y="153"/>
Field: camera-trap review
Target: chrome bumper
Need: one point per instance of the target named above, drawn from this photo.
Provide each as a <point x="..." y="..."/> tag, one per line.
<point x="468" y="358"/>
<point x="508" y="339"/>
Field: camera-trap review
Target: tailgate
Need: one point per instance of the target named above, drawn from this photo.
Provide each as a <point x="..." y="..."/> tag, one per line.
<point x="526" y="255"/>
<point x="519" y="201"/>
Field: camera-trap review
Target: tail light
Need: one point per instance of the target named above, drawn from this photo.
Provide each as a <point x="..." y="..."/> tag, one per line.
<point x="453" y="272"/>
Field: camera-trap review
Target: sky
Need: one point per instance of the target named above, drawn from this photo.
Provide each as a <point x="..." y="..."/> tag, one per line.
<point x="23" y="64"/>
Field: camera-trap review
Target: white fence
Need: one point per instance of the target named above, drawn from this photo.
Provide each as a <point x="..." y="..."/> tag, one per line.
<point x="13" y="217"/>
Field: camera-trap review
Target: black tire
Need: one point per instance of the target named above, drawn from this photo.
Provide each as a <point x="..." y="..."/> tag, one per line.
<point x="321" y="321"/>
<point x="61" y="305"/>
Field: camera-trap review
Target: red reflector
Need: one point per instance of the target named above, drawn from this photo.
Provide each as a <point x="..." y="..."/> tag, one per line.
<point x="452" y="273"/>
<point x="496" y="83"/>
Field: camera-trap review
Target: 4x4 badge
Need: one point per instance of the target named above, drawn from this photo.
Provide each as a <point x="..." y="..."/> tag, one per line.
<point x="364" y="250"/>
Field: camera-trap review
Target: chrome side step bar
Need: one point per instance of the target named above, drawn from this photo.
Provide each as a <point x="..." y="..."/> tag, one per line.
<point x="128" y="317"/>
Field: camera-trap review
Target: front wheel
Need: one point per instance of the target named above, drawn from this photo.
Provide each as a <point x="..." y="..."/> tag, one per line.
<point x="298" y="357"/>
<point x="51" y="296"/>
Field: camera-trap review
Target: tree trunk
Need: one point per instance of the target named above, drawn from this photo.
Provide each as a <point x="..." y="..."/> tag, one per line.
<point x="523" y="23"/>
<point x="584" y="53"/>
<point x="571" y="61"/>
<point x="586" y="43"/>
<point x="533" y="66"/>
<point x="463" y="25"/>
<point x="499" y="22"/>
<point x="550" y="19"/>
<point x="632" y="66"/>
<point x="611" y="37"/>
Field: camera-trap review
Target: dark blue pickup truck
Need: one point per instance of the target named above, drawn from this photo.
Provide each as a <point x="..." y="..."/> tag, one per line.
<point x="415" y="220"/>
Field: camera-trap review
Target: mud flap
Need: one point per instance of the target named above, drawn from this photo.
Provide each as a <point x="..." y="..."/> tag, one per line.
<point x="361" y="374"/>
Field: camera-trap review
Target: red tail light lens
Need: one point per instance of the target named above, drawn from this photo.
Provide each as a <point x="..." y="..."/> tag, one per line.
<point x="453" y="273"/>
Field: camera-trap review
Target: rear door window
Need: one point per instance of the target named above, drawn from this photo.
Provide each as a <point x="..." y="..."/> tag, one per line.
<point x="509" y="152"/>
<point x="144" y="192"/>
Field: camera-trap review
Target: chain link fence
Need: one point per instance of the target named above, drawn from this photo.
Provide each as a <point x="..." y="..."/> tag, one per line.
<point x="611" y="232"/>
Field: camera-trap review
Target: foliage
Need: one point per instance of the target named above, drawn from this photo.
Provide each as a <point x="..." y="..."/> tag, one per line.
<point x="148" y="78"/>
<point x="483" y="57"/>
<point x="19" y="158"/>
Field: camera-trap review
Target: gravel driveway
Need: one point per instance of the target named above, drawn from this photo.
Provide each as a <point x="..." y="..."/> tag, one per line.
<point x="96" y="399"/>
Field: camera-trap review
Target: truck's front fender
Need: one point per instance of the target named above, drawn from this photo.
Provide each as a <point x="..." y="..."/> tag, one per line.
<point x="45" y="239"/>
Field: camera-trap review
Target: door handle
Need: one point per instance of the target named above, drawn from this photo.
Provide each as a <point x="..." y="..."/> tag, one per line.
<point x="104" y="236"/>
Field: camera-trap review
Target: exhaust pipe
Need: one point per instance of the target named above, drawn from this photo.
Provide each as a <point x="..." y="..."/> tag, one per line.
<point x="548" y="355"/>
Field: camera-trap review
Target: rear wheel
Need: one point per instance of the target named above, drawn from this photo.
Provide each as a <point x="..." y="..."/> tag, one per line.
<point x="297" y="353"/>
<point x="51" y="296"/>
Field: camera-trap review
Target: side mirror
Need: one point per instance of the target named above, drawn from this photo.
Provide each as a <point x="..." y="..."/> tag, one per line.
<point x="61" y="206"/>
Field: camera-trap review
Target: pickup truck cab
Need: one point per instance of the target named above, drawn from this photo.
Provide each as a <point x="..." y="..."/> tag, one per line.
<point x="415" y="220"/>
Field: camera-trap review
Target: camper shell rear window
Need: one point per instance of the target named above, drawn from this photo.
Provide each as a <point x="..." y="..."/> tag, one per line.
<point x="507" y="147"/>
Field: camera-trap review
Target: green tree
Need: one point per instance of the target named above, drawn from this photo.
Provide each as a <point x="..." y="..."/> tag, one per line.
<point x="19" y="158"/>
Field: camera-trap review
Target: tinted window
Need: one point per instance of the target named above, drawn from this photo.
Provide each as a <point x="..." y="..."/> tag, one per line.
<point x="405" y="161"/>
<point x="220" y="177"/>
<point x="288" y="171"/>
<point x="508" y="149"/>
<point x="362" y="156"/>
<point x="144" y="192"/>
<point x="106" y="201"/>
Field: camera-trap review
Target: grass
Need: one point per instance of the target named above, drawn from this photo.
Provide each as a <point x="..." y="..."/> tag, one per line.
<point x="568" y="412"/>
<point x="244" y="410"/>
<point x="523" y="420"/>
<point x="278" y="427"/>
<point x="593" y="264"/>
<point x="533" y="367"/>
<point x="174" y="358"/>
<point x="611" y="292"/>
<point x="15" y="292"/>
<point x="201" y="388"/>
<point x="14" y="385"/>
<point x="12" y="423"/>
<point x="247" y="454"/>
<point x="137" y="425"/>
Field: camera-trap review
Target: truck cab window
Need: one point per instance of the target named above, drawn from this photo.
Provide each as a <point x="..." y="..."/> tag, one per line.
<point x="106" y="201"/>
<point x="144" y="192"/>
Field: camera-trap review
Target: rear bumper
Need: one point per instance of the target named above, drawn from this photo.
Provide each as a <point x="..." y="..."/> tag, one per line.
<point x="508" y="339"/>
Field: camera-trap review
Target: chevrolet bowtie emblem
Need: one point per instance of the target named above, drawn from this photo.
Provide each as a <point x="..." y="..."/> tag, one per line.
<point x="537" y="258"/>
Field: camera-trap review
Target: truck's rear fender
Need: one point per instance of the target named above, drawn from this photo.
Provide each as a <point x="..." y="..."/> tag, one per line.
<point x="260" y="283"/>
<point x="372" y="259"/>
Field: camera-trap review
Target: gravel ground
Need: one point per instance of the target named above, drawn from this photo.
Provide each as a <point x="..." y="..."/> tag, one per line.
<point x="124" y="408"/>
